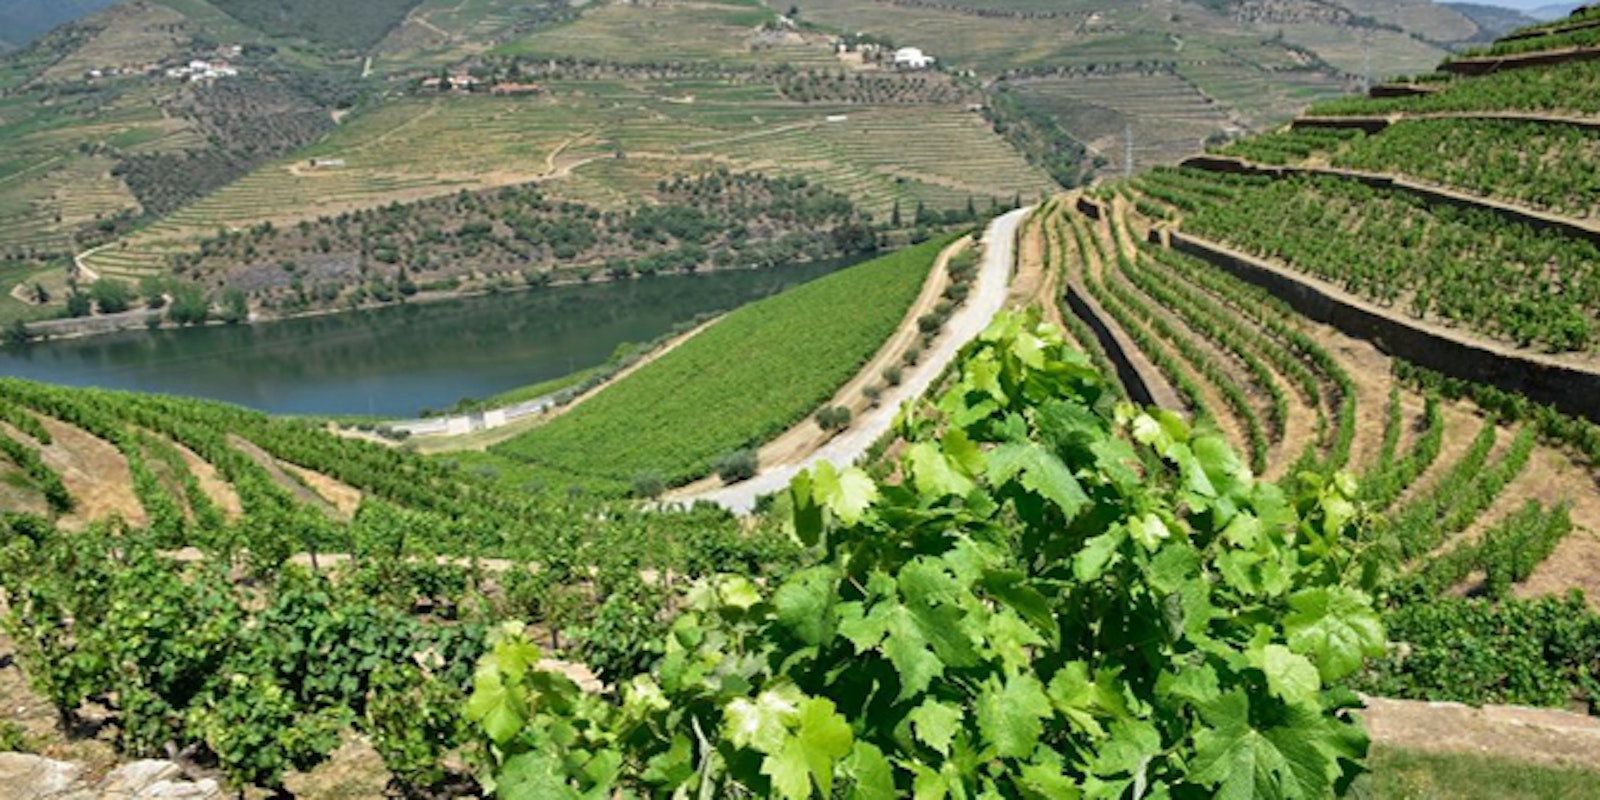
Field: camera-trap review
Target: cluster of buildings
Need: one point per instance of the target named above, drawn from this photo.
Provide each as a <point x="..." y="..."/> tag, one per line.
<point x="199" y="70"/>
<point x="469" y="83"/>
<point x="907" y="58"/>
<point x="196" y="70"/>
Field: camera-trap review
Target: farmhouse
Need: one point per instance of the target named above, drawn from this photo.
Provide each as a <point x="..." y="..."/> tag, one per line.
<point x="912" y="58"/>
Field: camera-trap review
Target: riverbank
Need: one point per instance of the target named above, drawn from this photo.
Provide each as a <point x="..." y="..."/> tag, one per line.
<point x="144" y="319"/>
<point x="392" y="363"/>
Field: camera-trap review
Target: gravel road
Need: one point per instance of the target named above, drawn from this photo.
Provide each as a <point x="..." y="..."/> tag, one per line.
<point x="986" y="300"/>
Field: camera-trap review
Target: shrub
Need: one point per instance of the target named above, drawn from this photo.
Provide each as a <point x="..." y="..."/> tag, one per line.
<point x="739" y="465"/>
<point x="649" y="484"/>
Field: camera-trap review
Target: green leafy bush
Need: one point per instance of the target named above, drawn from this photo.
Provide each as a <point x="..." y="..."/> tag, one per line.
<point x="1063" y="597"/>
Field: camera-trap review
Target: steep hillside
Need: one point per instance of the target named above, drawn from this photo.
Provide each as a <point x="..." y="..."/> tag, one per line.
<point x="1495" y="21"/>
<point x="343" y="25"/>
<point x="1403" y="286"/>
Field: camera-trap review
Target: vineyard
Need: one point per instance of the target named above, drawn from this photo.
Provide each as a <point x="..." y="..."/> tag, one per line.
<point x="670" y="421"/>
<point x="402" y="576"/>
<point x="601" y="142"/>
<point x="1482" y="501"/>
<point x="1033" y="587"/>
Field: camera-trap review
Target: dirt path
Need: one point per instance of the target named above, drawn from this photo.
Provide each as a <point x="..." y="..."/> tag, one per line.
<point x="1037" y="279"/>
<point x="987" y="297"/>
<point x="804" y="438"/>
<point x="1543" y="736"/>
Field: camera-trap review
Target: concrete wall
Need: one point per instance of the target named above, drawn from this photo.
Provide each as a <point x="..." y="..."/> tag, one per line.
<point x="1087" y="310"/>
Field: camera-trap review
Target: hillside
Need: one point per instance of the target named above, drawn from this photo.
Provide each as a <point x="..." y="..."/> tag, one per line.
<point x="344" y="25"/>
<point x="144" y="169"/>
<point x="1495" y="21"/>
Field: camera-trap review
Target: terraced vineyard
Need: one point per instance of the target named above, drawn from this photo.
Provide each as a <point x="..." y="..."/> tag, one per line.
<point x="597" y="140"/>
<point x="248" y="592"/>
<point x="1168" y="116"/>
<point x="1462" y="228"/>
<point x="669" y="422"/>
<point x="202" y="486"/>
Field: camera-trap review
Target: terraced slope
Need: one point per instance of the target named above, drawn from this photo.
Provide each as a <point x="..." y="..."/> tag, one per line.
<point x="1279" y="284"/>
<point x="592" y="141"/>
<point x="743" y="380"/>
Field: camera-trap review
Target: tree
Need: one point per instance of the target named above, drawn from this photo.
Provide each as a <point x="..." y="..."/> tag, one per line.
<point x="79" y="304"/>
<point x="189" y="305"/>
<point x="111" y="296"/>
<point x="17" y="333"/>
<point x="739" y="465"/>
<point x="153" y="289"/>
<point x="894" y="216"/>
<point x="235" y="306"/>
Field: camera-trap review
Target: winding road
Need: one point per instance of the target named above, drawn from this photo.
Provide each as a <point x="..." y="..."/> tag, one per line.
<point x="987" y="298"/>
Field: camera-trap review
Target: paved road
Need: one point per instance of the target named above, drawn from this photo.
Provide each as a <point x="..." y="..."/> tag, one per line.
<point x="986" y="300"/>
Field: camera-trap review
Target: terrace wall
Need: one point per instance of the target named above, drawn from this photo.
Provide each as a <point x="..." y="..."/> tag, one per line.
<point x="1570" y="389"/>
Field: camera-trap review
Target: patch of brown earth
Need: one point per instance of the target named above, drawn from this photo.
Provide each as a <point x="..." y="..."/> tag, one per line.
<point x="345" y="499"/>
<point x="276" y="470"/>
<point x="94" y="472"/>
<point x="1575" y="563"/>
<point x="211" y="483"/>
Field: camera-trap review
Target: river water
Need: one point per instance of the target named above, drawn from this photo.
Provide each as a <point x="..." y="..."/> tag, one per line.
<point x="396" y="361"/>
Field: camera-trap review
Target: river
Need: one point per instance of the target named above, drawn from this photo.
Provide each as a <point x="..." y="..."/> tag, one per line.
<point x="398" y="360"/>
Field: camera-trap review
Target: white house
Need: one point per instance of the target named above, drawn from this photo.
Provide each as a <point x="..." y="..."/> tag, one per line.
<point x="912" y="58"/>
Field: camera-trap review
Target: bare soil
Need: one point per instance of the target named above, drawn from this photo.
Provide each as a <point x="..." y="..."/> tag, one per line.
<point x="345" y="499"/>
<point x="211" y="482"/>
<point x="276" y="469"/>
<point x="95" y="474"/>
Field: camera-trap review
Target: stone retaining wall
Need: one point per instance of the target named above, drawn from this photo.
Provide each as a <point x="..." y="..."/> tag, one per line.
<point x="1572" y="390"/>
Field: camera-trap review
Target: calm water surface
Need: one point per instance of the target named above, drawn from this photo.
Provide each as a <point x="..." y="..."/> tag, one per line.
<point x="398" y="360"/>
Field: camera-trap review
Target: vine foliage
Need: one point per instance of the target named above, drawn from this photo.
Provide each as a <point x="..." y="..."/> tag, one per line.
<point x="1046" y="594"/>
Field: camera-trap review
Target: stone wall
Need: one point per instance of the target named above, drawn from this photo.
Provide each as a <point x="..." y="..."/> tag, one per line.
<point x="1572" y="390"/>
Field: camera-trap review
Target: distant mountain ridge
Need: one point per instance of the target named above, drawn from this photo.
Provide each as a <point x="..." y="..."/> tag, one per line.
<point x="1496" y="21"/>
<point x="1551" y="12"/>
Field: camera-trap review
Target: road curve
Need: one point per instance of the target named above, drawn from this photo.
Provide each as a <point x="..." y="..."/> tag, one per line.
<point x="987" y="298"/>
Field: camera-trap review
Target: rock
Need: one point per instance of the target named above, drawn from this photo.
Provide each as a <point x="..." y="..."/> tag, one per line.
<point x="181" y="790"/>
<point x="28" y="777"/>
<point x="131" y="779"/>
<point x="25" y="777"/>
